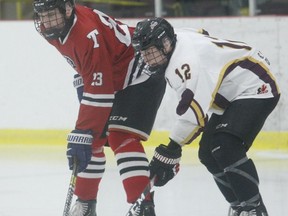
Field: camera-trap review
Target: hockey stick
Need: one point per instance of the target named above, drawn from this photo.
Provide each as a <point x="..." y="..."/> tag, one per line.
<point x="71" y="189"/>
<point x="135" y="208"/>
<point x="230" y="211"/>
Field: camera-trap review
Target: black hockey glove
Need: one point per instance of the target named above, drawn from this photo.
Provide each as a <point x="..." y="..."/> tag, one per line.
<point x="79" y="148"/>
<point x="165" y="163"/>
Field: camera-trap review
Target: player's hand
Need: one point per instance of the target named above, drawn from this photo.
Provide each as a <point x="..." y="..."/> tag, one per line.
<point x="79" y="148"/>
<point x="165" y="164"/>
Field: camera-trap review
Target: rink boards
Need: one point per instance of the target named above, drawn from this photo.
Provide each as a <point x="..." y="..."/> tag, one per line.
<point x="264" y="141"/>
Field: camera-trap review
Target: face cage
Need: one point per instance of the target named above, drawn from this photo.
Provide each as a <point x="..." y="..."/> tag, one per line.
<point x="55" y="24"/>
<point x="159" y="59"/>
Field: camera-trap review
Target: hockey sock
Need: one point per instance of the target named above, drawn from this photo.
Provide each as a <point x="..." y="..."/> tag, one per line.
<point x="132" y="163"/>
<point x="88" y="181"/>
<point x="220" y="179"/>
<point x="239" y="174"/>
<point x="243" y="178"/>
<point x="225" y="188"/>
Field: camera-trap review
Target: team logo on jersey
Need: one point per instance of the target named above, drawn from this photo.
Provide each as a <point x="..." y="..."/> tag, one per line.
<point x="262" y="90"/>
<point x="70" y="61"/>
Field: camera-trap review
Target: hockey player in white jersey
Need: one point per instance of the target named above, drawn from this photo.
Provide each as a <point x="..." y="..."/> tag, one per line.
<point x="225" y="90"/>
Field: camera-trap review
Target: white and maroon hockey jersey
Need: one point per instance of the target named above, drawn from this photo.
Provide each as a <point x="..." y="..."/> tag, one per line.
<point x="208" y="74"/>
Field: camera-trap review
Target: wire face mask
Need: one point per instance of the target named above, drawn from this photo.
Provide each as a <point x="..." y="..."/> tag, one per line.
<point x="50" y="23"/>
<point x="50" y="17"/>
<point x="153" y="57"/>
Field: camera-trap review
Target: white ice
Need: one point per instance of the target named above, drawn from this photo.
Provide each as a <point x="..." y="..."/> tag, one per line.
<point x="34" y="181"/>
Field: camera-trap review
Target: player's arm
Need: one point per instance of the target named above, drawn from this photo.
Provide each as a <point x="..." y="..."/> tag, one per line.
<point x="165" y="163"/>
<point x="96" y="96"/>
<point x="191" y="110"/>
<point x="195" y="96"/>
<point x="95" y="107"/>
<point x="192" y="118"/>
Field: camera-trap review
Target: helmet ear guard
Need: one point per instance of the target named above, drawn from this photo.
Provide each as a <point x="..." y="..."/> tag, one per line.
<point x="57" y="10"/>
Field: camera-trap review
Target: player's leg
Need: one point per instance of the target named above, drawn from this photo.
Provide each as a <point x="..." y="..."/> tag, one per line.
<point x="131" y="161"/>
<point x="239" y="171"/>
<point x="206" y="158"/>
<point x="132" y="118"/>
<point x="233" y="136"/>
<point x="87" y="182"/>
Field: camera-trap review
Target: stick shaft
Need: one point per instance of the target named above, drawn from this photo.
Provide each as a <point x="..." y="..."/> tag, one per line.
<point x="71" y="189"/>
<point x="134" y="209"/>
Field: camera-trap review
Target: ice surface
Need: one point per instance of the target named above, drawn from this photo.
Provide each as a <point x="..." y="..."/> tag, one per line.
<point x="34" y="181"/>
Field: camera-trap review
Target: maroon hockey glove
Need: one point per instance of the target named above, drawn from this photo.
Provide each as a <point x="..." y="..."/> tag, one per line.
<point x="79" y="148"/>
<point x="165" y="163"/>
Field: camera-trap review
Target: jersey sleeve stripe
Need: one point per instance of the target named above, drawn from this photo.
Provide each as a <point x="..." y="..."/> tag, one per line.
<point x="98" y="96"/>
<point x="193" y="135"/>
<point x="200" y="116"/>
<point x="97" y="100"/>
<point x="96" y="104"/>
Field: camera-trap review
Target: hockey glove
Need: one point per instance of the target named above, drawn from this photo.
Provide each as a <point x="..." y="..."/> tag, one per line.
<point x="79" y="148"/>
<point x="165" y="164"/>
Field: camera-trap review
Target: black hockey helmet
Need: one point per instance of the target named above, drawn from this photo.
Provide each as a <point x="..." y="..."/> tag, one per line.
<point x="155" y="32"/>
<point x="152" y="32"/>
<point x="62" y="23"/>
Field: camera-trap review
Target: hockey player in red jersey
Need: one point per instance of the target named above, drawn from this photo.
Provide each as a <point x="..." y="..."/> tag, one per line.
<point x="226" y="90"/>
<point x="119" y="98"/>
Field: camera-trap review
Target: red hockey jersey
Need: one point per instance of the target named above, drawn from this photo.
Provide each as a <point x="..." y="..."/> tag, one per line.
<point x="99" y="48"/>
